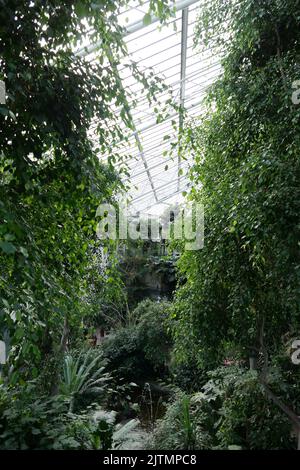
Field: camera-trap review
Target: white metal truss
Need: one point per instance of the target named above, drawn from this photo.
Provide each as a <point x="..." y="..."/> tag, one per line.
<point x="184" y="36"/>
<point x="156" y="177"/>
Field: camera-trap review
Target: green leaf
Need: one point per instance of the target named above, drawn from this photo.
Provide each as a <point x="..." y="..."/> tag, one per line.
<point x="8" y="248"/>
<point x="147" y="19"/>
<point x="23" y="251"/>
<point x="81" y="9"/>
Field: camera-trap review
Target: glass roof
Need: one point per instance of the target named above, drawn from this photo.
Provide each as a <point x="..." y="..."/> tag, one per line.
<point x="158" y="177"/>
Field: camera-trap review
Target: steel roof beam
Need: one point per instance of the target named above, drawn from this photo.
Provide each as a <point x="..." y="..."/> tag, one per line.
<point x="184" y="36"/>
<point x="162" y="201"/>
<point x="158" y="189"/>
<point x="134" y="27"/>
<point x="130" y="117"/>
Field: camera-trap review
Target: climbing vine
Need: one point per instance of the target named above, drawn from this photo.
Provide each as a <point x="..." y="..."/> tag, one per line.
<point x="243" y="287"/>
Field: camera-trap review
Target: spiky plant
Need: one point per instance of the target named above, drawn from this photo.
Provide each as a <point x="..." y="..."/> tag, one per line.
<point x="83" y="374"/>
<point x="187" y="424"/>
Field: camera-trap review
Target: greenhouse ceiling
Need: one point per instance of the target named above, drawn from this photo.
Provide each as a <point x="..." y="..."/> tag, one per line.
<point x="157" y="176"/>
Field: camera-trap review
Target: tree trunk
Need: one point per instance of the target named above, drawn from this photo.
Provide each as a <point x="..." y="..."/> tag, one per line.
<point x="65" y="336"/>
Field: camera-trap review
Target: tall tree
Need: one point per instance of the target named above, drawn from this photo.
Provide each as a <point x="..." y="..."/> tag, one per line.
<point x="243" y="287"/>
<point x="51" y="177"/>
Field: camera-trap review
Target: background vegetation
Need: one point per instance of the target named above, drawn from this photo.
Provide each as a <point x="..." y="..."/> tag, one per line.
<point x="213" y="363"/>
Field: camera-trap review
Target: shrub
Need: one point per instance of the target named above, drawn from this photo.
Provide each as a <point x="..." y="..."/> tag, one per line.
<point x="140" y="350"/>
<point x="244" y="416"/>
<point x="39" y="422"/>
<point x="232" y="411"/>
<point x="188" y="376"/>
<point x="181" y="427"/>
<point x="152" y="331"/>
<point x="125" y="354"/>
<point x="83" y="375"/>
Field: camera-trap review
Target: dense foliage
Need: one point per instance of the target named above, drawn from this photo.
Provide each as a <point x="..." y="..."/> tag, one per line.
<point x="147" y="270"/>
<point x="238" y="298"/>
<point x="89" y="350"/>
<point x="54" y="286"/>
<point x="242" y="289"/>
<point x="51" y="177"/>
<point x="141" y="350"/>
<point x="230" y="412"/>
